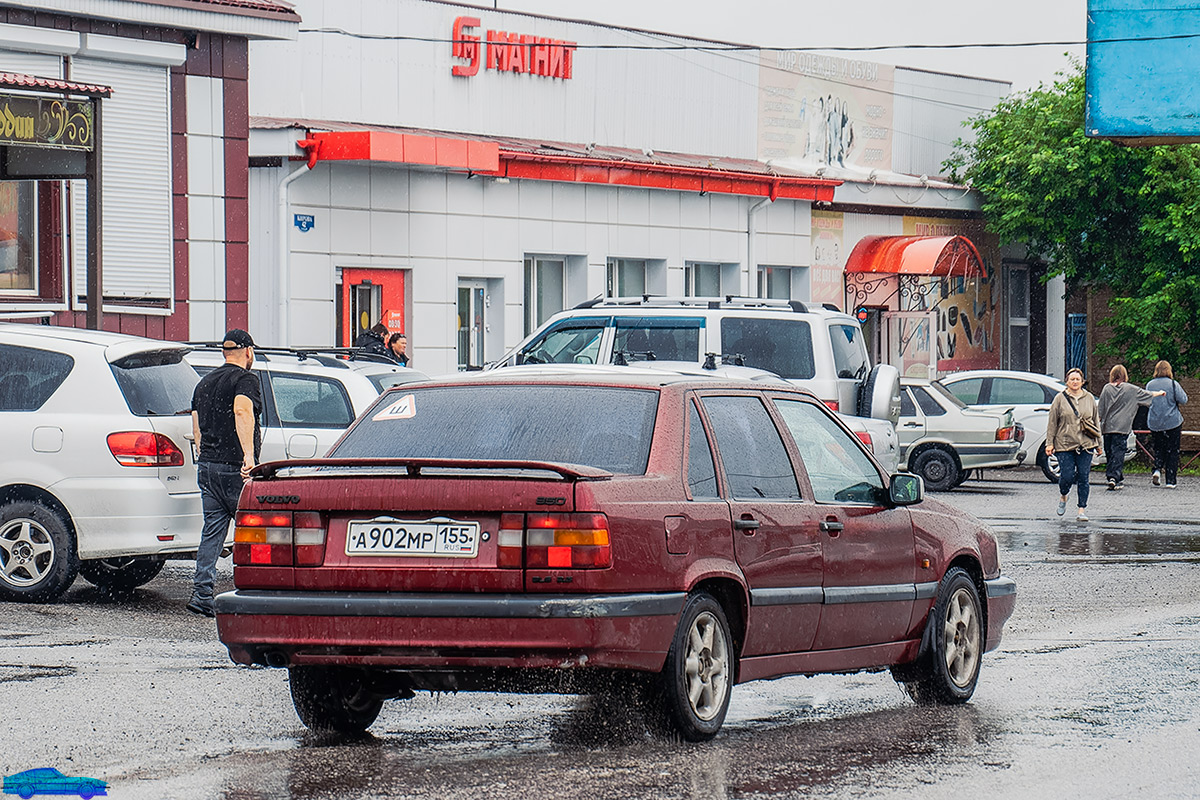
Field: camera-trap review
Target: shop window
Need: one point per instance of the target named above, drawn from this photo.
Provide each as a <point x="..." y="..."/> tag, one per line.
<point x="18" y="237"/>
<point x="545" y="289"/>
<point x="702" y="280"/>
<point x="626" y="277"/>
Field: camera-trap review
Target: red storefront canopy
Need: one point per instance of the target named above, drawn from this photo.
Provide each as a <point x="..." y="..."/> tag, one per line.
<point x="916" y="255"/>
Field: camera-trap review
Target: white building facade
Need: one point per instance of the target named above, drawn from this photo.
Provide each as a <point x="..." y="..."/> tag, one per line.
<point x="461" y="173"/>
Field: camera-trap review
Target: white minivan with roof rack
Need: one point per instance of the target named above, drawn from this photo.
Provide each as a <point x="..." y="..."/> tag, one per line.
<point x="97" y="475"/>
<point x="817" y="347"/>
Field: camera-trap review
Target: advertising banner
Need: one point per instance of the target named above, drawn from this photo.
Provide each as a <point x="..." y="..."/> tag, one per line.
<point x="825" y="110"/>
<point x="828" y="257"/>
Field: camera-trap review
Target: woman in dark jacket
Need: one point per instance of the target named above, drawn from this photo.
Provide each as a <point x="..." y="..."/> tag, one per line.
<point x="1165" y="422"/>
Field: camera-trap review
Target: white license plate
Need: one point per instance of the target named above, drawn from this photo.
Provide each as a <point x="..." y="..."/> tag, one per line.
<point x="439" y="537"/>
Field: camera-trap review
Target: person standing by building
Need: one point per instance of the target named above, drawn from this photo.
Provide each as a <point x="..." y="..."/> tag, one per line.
<point x="1165" y="422"/>
<point x="374" y="340"/>
<point x="1119" y="401"/>
<point x="1073" y="435"/>
<point x="398" y="349"/>
<point x="225" y="409"/>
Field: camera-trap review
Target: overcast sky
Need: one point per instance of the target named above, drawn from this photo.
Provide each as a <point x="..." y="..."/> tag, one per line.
<point x="804" y="23"/>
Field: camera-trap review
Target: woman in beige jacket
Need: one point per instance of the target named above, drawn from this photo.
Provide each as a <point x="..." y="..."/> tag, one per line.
<point x="1074" y="446"/>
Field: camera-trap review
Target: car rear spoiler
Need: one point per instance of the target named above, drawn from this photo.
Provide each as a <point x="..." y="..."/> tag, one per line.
<point x="414" y="466"/>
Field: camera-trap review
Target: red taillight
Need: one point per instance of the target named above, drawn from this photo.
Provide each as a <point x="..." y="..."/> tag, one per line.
<point x="832" y="404"/>
<point x="865" y="438"/>
<point x="567" y="541"/>
<point x="510" y="541"/>
<point x="144" y="449"/>
<point x="279" y="538"/>
<point x="1006" y="434"/>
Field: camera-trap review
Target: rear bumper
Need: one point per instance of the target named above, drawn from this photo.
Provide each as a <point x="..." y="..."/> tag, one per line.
<point x="1001" y="600"/>
<point x="130" y="516"/>
<point x="448" y="631"/>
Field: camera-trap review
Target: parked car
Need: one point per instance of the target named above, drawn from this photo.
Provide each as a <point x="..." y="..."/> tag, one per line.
<point x="818" y="348"/>
<point x="310" y="395"/>
<point x="47" y="780"/>
<point x="678" y="536"/>
<point x="97" y="476"/>
<point x="942" y="440"/>
<point x="1029" y="395"/>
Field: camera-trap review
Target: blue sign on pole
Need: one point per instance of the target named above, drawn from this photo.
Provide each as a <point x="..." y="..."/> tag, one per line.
<point x="304" y="222"/>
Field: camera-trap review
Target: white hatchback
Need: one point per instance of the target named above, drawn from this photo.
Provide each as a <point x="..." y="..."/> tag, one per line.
<point x="97" y="476"/>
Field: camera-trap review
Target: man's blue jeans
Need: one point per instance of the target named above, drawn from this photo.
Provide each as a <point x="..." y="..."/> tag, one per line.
<point x="1074" y="466"/>
<point x="220" y="487"/>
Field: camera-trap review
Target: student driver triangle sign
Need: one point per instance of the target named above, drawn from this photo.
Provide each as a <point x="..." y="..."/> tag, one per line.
<point x="404" y="408"/>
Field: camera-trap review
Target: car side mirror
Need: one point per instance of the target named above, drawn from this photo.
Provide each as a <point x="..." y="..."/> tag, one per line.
<point x="906" y="489"/>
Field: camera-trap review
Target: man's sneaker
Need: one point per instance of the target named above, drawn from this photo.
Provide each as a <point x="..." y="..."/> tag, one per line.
<point x="1119" y="486"/>
<point x="1081" y="516"/>
<point x="1112" y="485"/>
<point x="198" y="606"/>
<point x="1156" y="477"/>
<point x="1170" y="486"/>
<point x="1062" y="507"/>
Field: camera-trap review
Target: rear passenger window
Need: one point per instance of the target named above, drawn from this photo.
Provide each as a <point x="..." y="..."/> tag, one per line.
<point x="701" y="474"/>
<point x="28" y="377"/>
<point x="907" y="409"/>
<point x="752" y="452"/>
<point x="658" y="339"/>
<point x="929" y="406"/>
<point x="304" y="401"/>
<point x="967" y="391"/>
<point x="782" y="346"/>
<point x="1011" y="390"/>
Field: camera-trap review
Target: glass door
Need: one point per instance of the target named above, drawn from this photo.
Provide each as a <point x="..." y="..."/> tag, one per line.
<point x="912" y="342"/>
<point x="472" y="324"/>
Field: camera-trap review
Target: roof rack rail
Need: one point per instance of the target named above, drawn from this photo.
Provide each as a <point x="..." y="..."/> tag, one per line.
<point x="330" y="356"/>
<point x="728" y="301"/>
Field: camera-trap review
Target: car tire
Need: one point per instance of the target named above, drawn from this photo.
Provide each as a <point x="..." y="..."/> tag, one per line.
<point x="939" y="468"/>
<point x="879" y="394"/>
<point x="948" y="670"/>
<point x="38" y="559"/>
<point x="963" y="475"/>
<point x="697" y="680"/>
<point x="115" y="575"/>
<point x="26" y="792"/>
<point x="1049" y="465"/>
<point x="333" y="699"/>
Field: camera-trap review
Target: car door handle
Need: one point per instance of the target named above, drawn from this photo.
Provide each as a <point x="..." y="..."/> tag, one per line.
<point x="912" y="424"/>
<point x="746" y="524"/>
<point x="831" y="526"/>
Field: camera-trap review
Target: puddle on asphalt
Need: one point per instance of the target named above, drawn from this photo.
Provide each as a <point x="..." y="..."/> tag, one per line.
<point x="1092" y="539"/>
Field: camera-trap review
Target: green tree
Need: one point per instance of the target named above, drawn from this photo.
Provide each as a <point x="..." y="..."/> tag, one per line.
<point x="1096" y="212"/>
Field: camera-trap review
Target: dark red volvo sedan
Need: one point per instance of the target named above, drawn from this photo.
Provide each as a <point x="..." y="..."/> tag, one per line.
<point x="661" y="536"/>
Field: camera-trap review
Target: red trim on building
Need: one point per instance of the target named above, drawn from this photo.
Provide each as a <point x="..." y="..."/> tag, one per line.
<point x="570" y="164"/>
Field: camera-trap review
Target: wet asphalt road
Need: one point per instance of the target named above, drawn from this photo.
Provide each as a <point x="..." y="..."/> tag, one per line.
<point x="1094" y="693"/>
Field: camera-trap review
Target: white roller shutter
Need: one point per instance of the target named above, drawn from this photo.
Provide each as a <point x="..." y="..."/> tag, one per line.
<point x="40" y="64"/>
<point x="135" y="144"/>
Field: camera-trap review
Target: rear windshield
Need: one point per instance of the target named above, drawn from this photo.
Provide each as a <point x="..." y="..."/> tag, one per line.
<point x="607" y="428"/>
<point x="782" y="346"/>
<point x="157" y="384"/>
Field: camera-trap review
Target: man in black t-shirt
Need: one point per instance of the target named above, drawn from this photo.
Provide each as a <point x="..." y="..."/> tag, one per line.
<point x="225" y="410"/>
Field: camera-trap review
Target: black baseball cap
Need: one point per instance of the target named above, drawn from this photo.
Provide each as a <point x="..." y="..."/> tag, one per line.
<point x="236" y="339"/>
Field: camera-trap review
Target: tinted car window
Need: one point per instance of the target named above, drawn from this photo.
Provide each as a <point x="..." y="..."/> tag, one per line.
<point x="611" y="428"/>
<point x="966" y="390"/>
<point x="838" y="469"/>
<point x="782" y="346"/>
<point x="755" y="459"/>
<point x="156" y="384"/>
<point x="658" y="339"/>
<point x="29" y="376"/>
<point x="849" y="352"/>
<point x="907" y="408"/>
<point x="1014" y="390"/>
<point x="929" y="406"/>
<point x="701" y="473"/>
<point x="572" y="341"/>
<point x="305" y="401"/>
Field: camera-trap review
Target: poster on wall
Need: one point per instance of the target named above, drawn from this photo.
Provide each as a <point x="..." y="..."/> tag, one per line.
<point x="965" y="306"/>
<point x="825" y="110"/>
<point x="828" y="257"/>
